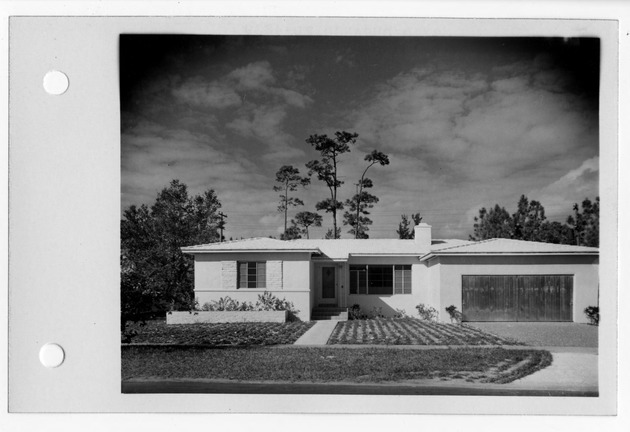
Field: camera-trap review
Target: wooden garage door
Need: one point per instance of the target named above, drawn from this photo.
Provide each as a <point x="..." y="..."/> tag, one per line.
<point x="517" y="298"/>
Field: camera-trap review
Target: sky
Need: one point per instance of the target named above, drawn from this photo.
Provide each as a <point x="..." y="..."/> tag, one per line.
<point x="466" y="123"/>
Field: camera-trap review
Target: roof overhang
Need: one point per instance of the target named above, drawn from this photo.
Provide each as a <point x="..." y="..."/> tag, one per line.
<point x="438" y="254"/>
<point x="385" y="255"/>
<point x="223" y="251"/>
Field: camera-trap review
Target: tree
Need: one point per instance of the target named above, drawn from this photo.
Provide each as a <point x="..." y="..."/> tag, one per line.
<point x="292" y="232"/>
<point x="528" y="220"/>
<point x="495" y="223"/>
<point x="289" y="179"/>
<point x="585" y="223"/>
<point x="556" y="232"/>
<point x="303" y="220"/>
<point x="330" y="150"/>
<point x="155" y="275"/>
<point x="357" y="204"/>
<point x="405" y="230"/>
<point x="329" y="234"/>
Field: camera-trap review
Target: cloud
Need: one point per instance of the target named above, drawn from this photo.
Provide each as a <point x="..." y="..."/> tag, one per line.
<point x="480" y="126"/>
<point x="258" y="75"/>
<point x="252" y="82"/>
<point x="197" y="92"/>
<point x="152" y="155"/>
<point x="559" y="196"/>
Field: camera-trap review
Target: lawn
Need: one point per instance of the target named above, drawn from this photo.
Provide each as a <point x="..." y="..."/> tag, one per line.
<point x="231" y="334"/>
<point x="411" y="331"/>
<point x="291" y="364"/>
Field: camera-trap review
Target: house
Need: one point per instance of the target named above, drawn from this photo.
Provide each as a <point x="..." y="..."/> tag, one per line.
<point x="490" y="280"/>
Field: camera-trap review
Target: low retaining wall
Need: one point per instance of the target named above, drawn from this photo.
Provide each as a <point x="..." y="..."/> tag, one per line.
<point x="225" y="317"/>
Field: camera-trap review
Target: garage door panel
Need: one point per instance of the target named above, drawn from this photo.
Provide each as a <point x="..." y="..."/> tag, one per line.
<point x="517" y="297"/>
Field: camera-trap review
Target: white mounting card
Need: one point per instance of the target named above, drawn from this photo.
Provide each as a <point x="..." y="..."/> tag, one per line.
<point x="65" y="211"/>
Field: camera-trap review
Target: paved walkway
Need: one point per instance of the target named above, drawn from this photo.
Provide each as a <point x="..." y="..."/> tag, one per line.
<point x="318" y="334"/>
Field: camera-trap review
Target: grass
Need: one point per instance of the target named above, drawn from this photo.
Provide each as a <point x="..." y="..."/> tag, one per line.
<point x="230" y="334"/>
<point x="411" y="331"/>
<point x="291" y="364"/>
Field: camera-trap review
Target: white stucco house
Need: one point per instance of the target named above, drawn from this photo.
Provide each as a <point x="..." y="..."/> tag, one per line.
<point x="490" y="280"/>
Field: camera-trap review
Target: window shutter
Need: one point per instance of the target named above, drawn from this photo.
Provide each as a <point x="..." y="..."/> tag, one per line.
<point x="261" y="275"/>
<point x="407" y="280"/>
<point x="398" y="279"/>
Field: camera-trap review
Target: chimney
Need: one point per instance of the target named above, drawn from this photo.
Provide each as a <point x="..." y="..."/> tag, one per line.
<point x="422" y="235"/>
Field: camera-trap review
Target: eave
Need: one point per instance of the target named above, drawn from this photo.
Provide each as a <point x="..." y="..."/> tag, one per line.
<point x="434" y="255"/>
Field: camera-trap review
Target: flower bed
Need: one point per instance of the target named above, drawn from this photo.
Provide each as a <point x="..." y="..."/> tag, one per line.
<point x="411" y="331"/>
<point x="230" y="334"/>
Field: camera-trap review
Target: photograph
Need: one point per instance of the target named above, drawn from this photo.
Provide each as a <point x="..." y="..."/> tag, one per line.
<point x="369" y="215"/>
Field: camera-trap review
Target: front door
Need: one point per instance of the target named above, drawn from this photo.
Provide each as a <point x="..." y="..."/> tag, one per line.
<point x="328" y="294"/>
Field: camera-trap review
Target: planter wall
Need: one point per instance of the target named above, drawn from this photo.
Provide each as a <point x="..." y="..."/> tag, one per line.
<point x="225" y="317"/>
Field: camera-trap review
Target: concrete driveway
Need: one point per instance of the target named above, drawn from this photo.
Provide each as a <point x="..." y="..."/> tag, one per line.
<point x="548" y="334"/>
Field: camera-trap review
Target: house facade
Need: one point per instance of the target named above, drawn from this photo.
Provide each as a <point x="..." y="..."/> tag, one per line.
<point x="491" y="280"/>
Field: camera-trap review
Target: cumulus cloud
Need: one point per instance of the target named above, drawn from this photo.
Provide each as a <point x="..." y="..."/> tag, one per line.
<point x="197" y="92"/>
<point x="559" y="196"/>
<point x="481" y="126"/>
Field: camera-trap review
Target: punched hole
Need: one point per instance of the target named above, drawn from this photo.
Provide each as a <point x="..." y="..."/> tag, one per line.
<point x="56" y="82"/>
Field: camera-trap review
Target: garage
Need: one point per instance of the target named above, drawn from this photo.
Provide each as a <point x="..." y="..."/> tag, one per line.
<point x="517" y="297"/>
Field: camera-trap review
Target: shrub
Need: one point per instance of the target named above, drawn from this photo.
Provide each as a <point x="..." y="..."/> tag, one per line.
<point x="266" y="302"/>
<point x="227" y="304"/>
<point x="592" y="312"/>
<point x="400" y="313"/>
<point x="454" y="314"/>
<point x="427" y="313"/>
<point x="376" y="312"/>
<point x="354" y="313"/>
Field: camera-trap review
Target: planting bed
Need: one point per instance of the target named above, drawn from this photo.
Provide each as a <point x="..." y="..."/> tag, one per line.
<point x="411" y="331"/>
<point x="232" y="334"/>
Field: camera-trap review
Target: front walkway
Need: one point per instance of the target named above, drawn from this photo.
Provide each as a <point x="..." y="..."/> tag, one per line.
<point x="318" y="334"/>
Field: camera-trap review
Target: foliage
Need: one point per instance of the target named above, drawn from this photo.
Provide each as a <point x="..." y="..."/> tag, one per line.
<point x="585" y="223"/>
<point x="265" y="302"/>
<point x="234" y="334"/>
<point x="454" y="314"/>
<point x="289" y="179"/>
<point x="354" y="312"/>
<point x="356" y="217"/>
<point x="293" y="232"/>
<point x="592" y="312"/>
<point x="329" y="234"/>
<point x="227" y="304"/>
<point x="400" y="313"/>
<point x="411" y="331"/>
<point x="405" y="231"/>
<point x="528" y="220"/>
<point x="493" y="223"/>
<point x="303" y="220"/>
<point x="330" y="149"/>
<point x="427" y="313"/>
<point x="530" y="223"/>
<point x="155" y="275"/>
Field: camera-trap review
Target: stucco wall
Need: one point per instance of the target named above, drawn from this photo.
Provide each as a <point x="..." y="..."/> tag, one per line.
<point x="288" y="276"/>
<point x="584" y="269"/>
<point x="389" y="303"/>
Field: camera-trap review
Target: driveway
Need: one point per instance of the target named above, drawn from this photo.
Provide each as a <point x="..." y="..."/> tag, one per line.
<point x="548" y="334"/>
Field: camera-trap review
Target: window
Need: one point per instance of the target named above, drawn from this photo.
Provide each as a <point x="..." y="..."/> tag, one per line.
<point x="252" y="275"/>
<point x="380" y="279"/>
